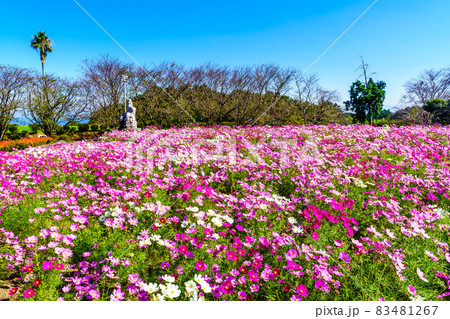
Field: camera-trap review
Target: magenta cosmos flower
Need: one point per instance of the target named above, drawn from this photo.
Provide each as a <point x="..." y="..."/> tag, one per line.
<point x="47" y="265"/>
<point x="227" y="288"/>
<point x="412" y="290"/>
<point x="301" y="290"/>
<point x="322" y="285"/>
<point x="291" y="254"/>
<point x="29" y="293"/>
<point x="200" y="266"/>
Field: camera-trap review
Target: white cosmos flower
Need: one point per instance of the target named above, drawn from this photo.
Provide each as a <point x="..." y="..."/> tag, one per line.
<point x="416" y="298"/>
<point x="205" y="286"/>
<point x="151" y="288"/>
<point x="168" y="278"/>
<point x="155" y="237"/>
<point x="263" y="206"/>
<point x="200" y="222"/>
<point x="194" y="209"/>
<point x="158" y="297"/>
<point x="292" y="220"/>
<point x="184" y="224"/>
<point x="202" y="282"/>
<point x="191" y="286"/>
<point x="228" y="219"/>
<point x="195" y="297"/>
<point x="297" y="229"/>
<point x="216" y="221"/>
<point x="198" y="277"/>
<point x="172" y="291"/>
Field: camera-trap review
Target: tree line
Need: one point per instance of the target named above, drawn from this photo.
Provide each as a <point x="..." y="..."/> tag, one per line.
<point x="166" y="95"/>
<point x="171" y="94"/>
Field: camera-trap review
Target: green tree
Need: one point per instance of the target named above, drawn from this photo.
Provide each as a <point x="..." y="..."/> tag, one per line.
<point x="366" y="99"/>
<point x="42" y="44"/>
<point x="439" y="110"/>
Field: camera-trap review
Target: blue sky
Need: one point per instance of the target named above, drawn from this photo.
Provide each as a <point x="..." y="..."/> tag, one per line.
<point x="399" y="39"/>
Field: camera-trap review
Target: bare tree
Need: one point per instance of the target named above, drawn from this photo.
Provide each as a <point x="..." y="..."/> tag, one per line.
<point x="13" y="84"/>
<point x="102" y="82"/>
<point x="57" y="105"/>
<point x="430" y="84"/>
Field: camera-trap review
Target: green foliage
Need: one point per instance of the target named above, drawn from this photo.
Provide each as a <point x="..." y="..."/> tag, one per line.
<point x="42" y="44"/>
<point x="366" y="99"/>
<point x="439" y="109"/>
<point x="13" y="132"/>
<point x="65" y="138"/>
<point x="82" y="127"/>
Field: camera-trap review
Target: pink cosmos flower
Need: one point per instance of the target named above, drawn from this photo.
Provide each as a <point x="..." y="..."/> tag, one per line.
<point x="242" y="295"/>
<point x="338" y="242"/>
<point x="47" y="265"/>
<point x="421" y="275"/>
<point x="302" y="290"/>
<point x="254" y="288"/>
<point x="431" y="255"/>
<point x="40" y="210"/>
<point x="28" y="293"/>
<point x="296" y="298"/>
<point x="291" y="254"/>
<point x="322" y="285"/>
<point x="13" y="291"/>
<point x="37" y="282"/>
<point x="253" y="276"/>
<point x="231" y="255"/>
<point x="412" y="290"/>
<point x="345" y="257"/>
<point x="200" y="266"/>
<point x="94" y="294"/>
<point x="227" y="288"/>
<point x="443" y="295"/>
<point x="165" y="265"/>
<point x="183" y="249"/>
<point x="117" y="295"/>
<point x="59" y="266"/>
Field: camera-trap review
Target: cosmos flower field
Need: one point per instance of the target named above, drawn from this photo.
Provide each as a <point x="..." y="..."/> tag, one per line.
<point x="219" y="213"/>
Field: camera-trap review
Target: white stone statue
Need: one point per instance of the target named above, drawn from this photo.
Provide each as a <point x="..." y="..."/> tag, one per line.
<point x="128" y="119"/>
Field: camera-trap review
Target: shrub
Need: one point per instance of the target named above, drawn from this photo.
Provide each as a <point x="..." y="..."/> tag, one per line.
<point x="83" y="127"/>
<point x="65" y="138"/>
<point x="94" y="127"/>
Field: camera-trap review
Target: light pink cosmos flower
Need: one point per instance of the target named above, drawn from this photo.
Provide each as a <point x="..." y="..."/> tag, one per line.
<point x="117" y="295"/>
<point x="431" y="255"/>
<point x="447" y="256"/>
<point x="421" y="275"/>
<point x="40" y="210"/>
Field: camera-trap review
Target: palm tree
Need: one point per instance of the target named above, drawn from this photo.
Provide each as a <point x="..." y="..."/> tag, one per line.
<point x="43" y="44"/>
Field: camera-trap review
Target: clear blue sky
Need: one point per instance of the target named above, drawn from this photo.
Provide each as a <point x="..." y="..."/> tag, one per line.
<point x="399" y="39"/>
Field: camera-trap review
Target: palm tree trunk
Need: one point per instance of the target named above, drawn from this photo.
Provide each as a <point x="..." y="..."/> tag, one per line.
<point x="42" y="62"/>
